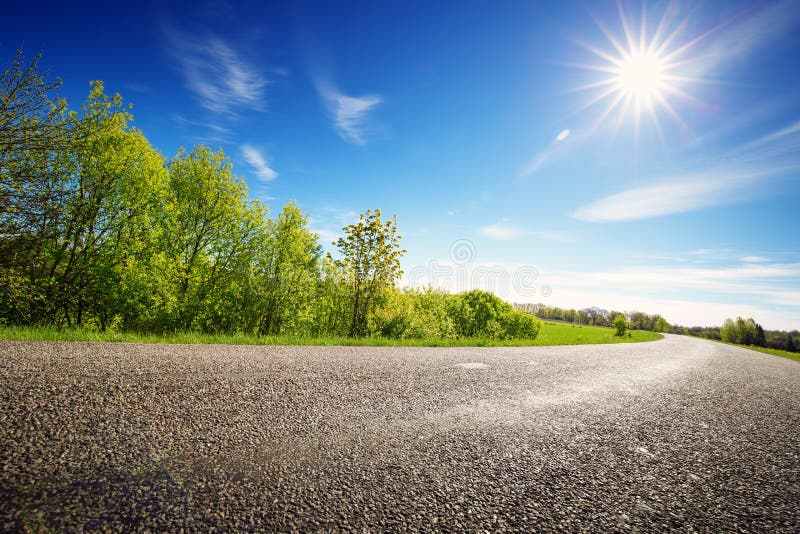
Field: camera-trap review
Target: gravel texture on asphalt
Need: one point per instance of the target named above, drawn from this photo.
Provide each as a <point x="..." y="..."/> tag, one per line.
<point x="674" y="434"/>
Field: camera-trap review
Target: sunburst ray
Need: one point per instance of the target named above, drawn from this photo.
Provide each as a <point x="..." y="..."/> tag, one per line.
<point x="644" y="71"/>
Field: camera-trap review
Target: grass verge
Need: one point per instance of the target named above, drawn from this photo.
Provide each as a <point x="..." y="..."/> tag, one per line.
<point x="775" y="352"/>
<point x="558" y="333"/>
<point x="550" y="334"/>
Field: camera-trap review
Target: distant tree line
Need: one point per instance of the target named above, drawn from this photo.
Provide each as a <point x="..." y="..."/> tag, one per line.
<point x="99" y="230"/>
<point x="745" y="332"/>
<point x="597" y="317"/>
<point x="741" y="331"/>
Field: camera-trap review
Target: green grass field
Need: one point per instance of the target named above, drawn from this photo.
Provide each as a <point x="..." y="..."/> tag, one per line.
<point x="550" y="334"/>
<point x="775" y="352"/>
<point x="557" y="333"/>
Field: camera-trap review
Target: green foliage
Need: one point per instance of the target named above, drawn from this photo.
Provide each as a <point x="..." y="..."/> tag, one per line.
<point x="210" y="233"/>
<point x="98" y="232"/>
<point x="596" y="317"/>
<point x="431" y="313"/>
<point x="550" y="334"/>
<point x="743" y="332"/>
<point x="620" y="325"/>
<point x="284" y="276"/>
<point x="30" y="121"/>
<point x="661" y="325"/>
<point x="370" y="260"/>
<point x="778" y="340"/>
<point x="81" y="211"/>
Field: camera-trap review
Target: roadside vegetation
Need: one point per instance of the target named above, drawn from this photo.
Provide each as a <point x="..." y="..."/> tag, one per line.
<point x="549" y="334"/>
<point x="101" y="234"/>
<point x="102" y="237"/>
<point x="783" y="353"/>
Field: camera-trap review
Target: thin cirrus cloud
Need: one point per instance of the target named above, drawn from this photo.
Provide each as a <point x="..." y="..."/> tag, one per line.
<point x="740" y="37"/>
<point x="180" y="119"/>
<point x="259" y="163"/>
<point x="781" y="143"/>
<point x="501" y="232"/>
<point x="505" y="231"/>
<point x="328" y="222"/>
<point x="677" y="194"/>
<point x="220" y="78"/>
<point x="766" y="157"/>
<point x="350" y="114"/>
<point x="765" y="285"/>
<point x="771" y="283"/>
<point x="754" y="259"/>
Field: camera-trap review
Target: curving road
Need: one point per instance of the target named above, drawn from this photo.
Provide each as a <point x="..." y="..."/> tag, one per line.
<point x="675" y="434"/>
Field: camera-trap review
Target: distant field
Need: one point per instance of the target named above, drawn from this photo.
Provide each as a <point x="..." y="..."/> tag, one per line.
<point x="558" y="333"/>
<point x="550" y="334"/>
<point x="775" y="352"/>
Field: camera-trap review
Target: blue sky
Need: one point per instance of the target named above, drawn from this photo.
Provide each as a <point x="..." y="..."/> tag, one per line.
<point x="498" y="133"/>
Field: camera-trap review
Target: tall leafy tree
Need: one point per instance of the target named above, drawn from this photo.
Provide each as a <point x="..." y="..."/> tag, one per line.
<point x="285" y="275"/>
<point x="81" y="211"/>
<point x="209" y="232"/>
<point x="29" y="118"/>
<point x="370" y="258"/>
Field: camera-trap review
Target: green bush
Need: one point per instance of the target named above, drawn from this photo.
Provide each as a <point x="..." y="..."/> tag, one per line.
<point x="620" y="324"/>
<point x="435" y="314"/>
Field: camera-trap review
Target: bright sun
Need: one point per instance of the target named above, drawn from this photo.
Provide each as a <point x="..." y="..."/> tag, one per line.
<point x="642" y="71"/>
<point x="641" y="76"/>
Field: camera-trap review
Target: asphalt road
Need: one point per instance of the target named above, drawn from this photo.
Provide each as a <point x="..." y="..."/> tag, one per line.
<point x="674" y="434"/>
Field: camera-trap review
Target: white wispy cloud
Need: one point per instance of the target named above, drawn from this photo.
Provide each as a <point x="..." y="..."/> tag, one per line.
<point x="180" y="119"/>
<point x="763" y="286"/>
<point x="216" y="72"/>
<point x="504" y="230"/>
<point x="754" y="259"/>
<point x="783" y="142"/>
<point x="350" y="114"/>
<point x="732" y="41"/>
<point x="676" y="194"/>
<point x="684" y="311"/>
<point x="328" y="221"/>
<point x="501" y="232"/>
<point x="327" y="237"/>
<point x="258" y="162"/>
<point x="707" y="251"/>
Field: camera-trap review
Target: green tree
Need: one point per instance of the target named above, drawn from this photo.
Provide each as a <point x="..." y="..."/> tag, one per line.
<point x="210" y="231"/>
<point x="84" y="211"/>
<point x="638" y="321"/>
<point x="370" y="258"/>
<point x="620" y="324"/>
<point x="728" y="331"/>
<point x="333" y="305"/>
<point x="285" y="275"/>
<point x="661" y="324"/>
<point x="29" y="119"/>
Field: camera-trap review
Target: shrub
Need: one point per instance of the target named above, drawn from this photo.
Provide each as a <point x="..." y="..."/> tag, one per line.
<point x="620" y="325"/>
<point x="431" y="313"/>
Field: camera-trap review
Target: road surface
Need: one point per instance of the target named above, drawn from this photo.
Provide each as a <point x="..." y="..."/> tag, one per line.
<point x="674" y="434"/>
